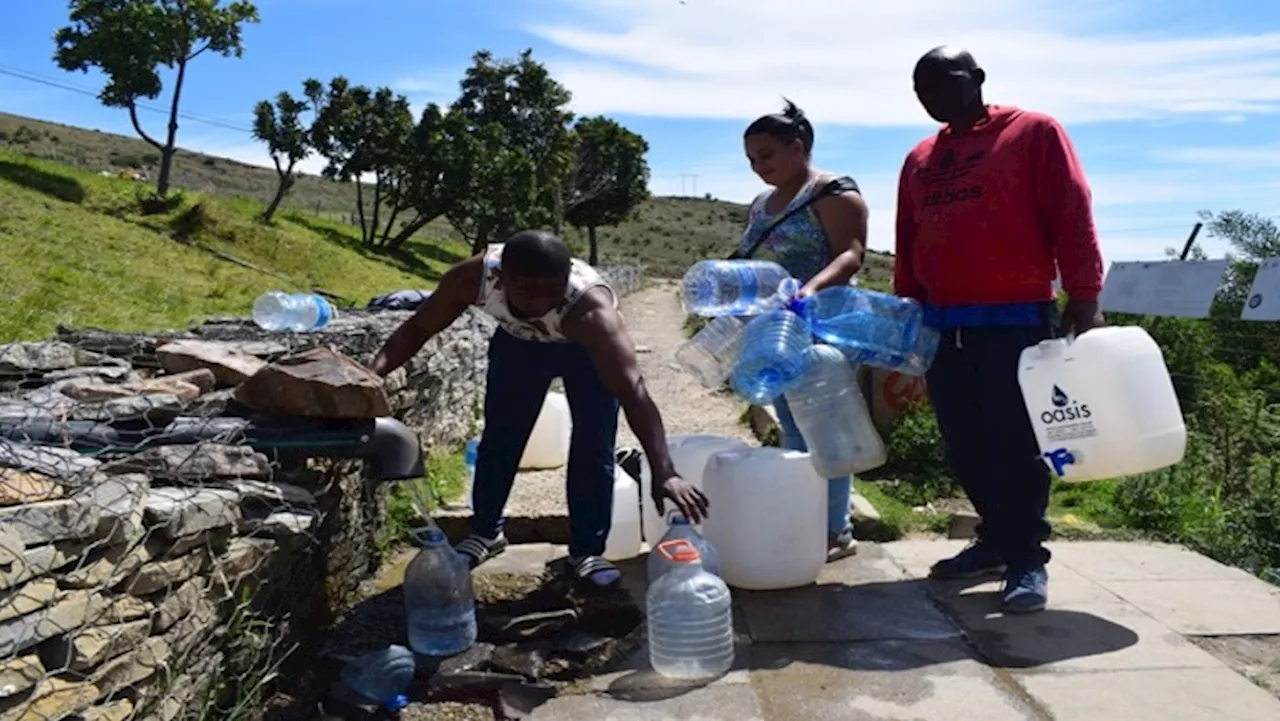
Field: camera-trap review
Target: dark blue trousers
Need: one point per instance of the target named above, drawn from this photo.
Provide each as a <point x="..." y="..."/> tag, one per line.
<point x="989" y="441"/>
<point x="520" y="372"/>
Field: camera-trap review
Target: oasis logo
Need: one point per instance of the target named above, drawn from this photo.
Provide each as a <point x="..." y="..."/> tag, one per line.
<point x="1064" y="410"/>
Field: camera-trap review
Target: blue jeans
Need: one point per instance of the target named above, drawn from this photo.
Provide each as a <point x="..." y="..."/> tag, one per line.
<point x="839" y="490"/>
<point x="520" y="372"/>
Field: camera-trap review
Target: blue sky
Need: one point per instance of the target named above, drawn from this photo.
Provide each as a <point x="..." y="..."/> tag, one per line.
<point x="1173" y="105"/>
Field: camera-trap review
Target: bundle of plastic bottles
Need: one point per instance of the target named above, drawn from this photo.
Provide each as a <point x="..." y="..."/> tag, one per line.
<point x="767" y="343"/>
<point x="760" y="333"/>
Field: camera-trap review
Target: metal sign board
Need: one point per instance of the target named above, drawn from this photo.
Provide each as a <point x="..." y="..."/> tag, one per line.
<point x="1171" y="288"/>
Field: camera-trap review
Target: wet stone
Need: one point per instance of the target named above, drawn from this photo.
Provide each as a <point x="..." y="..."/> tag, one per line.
<point x="471" y="659"/>
<point x="519" y="659"/>
<point x="529" y="625"/>
<point x="518" y="700"/>
<point x="470" y="684"/>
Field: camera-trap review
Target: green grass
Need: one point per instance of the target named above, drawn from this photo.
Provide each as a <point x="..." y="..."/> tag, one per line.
<point x="666" y="235"/>
<point x="77" y="250"/>
<point x="446" y="479"/>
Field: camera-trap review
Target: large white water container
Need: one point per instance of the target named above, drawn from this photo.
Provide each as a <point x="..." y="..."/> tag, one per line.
<point x="768" y="517"/>
<point x="1102" y="405"/>
<point x="625" y="536"/>
<point x="689" y="455"/>
<point x="548" y="445"/>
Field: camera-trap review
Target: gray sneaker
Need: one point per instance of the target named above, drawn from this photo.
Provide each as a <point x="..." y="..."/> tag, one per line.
<point x="841" y="545"/>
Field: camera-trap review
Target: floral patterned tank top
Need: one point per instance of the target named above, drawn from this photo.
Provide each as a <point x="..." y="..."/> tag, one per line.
<point x="547" y="329"/>
<point x="799" y="244"/>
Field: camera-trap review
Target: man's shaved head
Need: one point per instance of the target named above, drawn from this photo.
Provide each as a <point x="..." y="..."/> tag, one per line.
<point x="948" y="82"/>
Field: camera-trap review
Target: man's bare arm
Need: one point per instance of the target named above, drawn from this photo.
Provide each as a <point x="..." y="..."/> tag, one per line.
<point x="457" y="291"/>
<point x="597" y="326"/>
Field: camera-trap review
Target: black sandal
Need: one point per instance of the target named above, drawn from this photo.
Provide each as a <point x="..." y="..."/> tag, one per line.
<point x="594" y="570"/>
<point x="479" y="549"/>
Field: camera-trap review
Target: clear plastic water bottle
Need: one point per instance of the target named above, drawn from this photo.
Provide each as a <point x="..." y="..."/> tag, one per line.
<point x="772" y="357"/>
<point x="471" y="456"/>
<point x="382" y="676"/>
<point x="297" y="312"/>
<point x="438" y="596"/>
<point x="710" y="353"/>
<point x="833" y="418"/>
<point x="874" y="328"/>
<point x="679" y="532"/>
<point x="735" y="287"/>
<point x="690" y="620"/>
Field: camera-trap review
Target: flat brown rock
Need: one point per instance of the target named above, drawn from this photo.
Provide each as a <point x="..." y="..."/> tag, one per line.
<point x="229" y="364"/>
<point x="18" y="487"/>
<point x="319" y="383"/>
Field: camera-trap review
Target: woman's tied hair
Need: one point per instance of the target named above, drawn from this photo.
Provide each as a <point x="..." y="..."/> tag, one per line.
<point x="788" y="126"/>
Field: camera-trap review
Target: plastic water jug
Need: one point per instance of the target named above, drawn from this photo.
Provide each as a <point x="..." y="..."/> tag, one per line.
<point x="710" y="354"/>
<point x="690" y="619"/>
<point x="625" y="535"/>
<point x="772" y="357"/>
<point x="299" y="312"/>
<point x="548" y="445"/>
<point x="768" y="519"/>
<point x="735" y="287"/>
<point x="872" y="328"/>
<point x="382" y="676"/>
<point x="438" y="597"/>
<point x="833" y="418"/>
<point x="689" y="455"/>
<point x="680" y="531"/>
<point x="471" y="456"/>
<point x="1102" y="405"/>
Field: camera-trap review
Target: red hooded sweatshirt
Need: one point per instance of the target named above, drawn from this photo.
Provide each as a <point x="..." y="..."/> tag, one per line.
<point x="987" y="215"/>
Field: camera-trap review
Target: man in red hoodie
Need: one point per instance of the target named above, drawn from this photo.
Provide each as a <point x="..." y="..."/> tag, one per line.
<point x="990" y="210"/>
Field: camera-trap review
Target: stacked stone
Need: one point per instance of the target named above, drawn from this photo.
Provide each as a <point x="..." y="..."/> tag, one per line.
<point x="129" y="584"/>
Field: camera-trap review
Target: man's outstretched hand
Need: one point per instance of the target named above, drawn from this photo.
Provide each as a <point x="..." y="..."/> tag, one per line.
<point x="691" y="501"/>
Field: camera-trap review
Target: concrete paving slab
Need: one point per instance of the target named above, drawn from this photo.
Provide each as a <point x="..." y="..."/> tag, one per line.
<point x="1182" y="694"/>
<point x="885" y="680"/>
<point x="635" y="679"/>
<point x="1066" y="587"/>
<point x="731" y="702"/>
<point x="862" y="598"/>
<point x="917" y="556"/>
<point x="1084" y="637"/>
<point x="522" y="558"/>
<point x="1207" y="608"/>
<point x="1105" y="561"/>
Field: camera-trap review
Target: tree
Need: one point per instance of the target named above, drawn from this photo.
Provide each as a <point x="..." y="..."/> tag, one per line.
<point x="362" y="132"/>
<point x="1254" y="238"/>
<point x="280" y="127"/>
<point x="130" y="40"/>
<point x="434" y="172"/>
<point x="609" y="180"/>
<point x="517" y="146"/>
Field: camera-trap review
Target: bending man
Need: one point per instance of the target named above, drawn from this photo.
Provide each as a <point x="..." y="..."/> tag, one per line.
<point x="557" y="318"/>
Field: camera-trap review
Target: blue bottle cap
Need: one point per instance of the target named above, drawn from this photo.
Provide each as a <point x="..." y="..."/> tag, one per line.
<point x="396" y="703"/>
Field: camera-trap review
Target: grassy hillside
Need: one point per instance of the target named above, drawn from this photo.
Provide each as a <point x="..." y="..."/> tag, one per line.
<point x="667" y="234"/>
<point x="76" y="250"/>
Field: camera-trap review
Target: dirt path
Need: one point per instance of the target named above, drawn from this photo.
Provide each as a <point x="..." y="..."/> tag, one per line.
<point x="654" y="318"/>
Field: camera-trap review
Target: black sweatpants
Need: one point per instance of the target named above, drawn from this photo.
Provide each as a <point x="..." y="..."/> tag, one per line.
<point x="987" y="434"/>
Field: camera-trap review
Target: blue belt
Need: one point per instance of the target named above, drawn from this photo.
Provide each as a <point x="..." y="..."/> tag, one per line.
<point x="976" y="316"/>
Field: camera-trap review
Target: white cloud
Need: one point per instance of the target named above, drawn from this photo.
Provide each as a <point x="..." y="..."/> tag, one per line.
<point x="1261" y="156"/>
<point x="850" y="63"/>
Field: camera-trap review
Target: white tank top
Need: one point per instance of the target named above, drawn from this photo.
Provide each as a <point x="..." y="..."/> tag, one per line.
<point x="547" y="329"/>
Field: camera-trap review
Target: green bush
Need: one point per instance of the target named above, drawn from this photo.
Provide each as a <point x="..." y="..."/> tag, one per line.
<point x="917" y="458"/>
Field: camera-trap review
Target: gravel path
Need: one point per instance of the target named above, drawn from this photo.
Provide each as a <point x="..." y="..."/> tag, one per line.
<point x="654" y="318"/>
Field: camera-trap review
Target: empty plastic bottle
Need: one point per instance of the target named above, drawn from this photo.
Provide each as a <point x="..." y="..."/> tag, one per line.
<point x="735" y="287"/>
<point x="772" y="356"/>
<point x="690" y="619"/>
<point x="832" y="417"/>
<point x="382" y="676"/>
<point x="679" y="532"/>
<point x="709" y="355"/>
<point x="297" y="312"/>
<point x="874" y="328"/>
<point x="438" y="596"/>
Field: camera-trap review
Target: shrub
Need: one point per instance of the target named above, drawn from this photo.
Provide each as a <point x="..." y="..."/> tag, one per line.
<point x="917" y="458"/>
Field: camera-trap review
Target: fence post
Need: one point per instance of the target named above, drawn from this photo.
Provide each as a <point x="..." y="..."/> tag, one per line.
<point x="1191" y="239"/>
